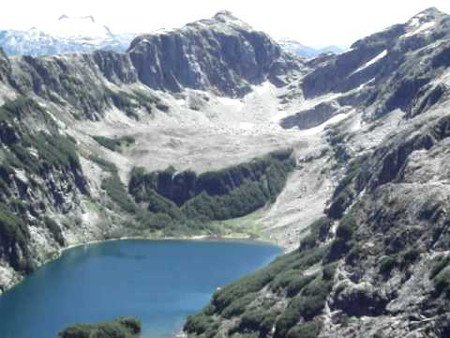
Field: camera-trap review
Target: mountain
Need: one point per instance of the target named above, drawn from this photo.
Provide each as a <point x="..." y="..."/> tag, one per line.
<point x="91" y="141"/>
<point x="345" y="158"/>
<point x="296" y="48"/>
<point x="65" y="35"/>
<point x="235" y="57"/>
<point x="375" y="263"/>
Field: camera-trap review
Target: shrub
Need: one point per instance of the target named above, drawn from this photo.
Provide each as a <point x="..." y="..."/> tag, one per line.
<point x="387" y="263"/>
<point x="438" y="264"/>
<point x="54" y="229"/>
<point x="442" y="281"/>
<point x="308" y="304"/>
<point x="216" y="195"/>
<point x="318" y="233"/>
<point x="105" y="165"/>
<point x="409" y="257"/>
<point x="257" y="320"/>
<point x="296" y="285"/>
<point x="200" y="324"/>
<point x="118" y="194"/>
<point x="238" y="306"/>
<point x="118" y="328"/>
<point x="344" y="237"/>
<point x="328" y="271"/>
<point x="114" y="144"/>
<point x="306" y="330"/>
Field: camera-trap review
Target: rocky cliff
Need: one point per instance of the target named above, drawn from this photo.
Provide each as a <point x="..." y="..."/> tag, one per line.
<point x="66" y="156"/>
<point x="376" y="263"/>
<point x="201" y="114"/>
<point x="222" y="54"/>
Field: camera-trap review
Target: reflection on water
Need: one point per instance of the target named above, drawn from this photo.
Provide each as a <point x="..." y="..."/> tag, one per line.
<point x="161" y="282"/>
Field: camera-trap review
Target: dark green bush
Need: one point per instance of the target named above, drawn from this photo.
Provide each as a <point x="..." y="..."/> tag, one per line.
<point x="344" y="240"/>
<point x="117" y="192"/>
<point x="306" y="330"/>
<point x="387" y="263"/>
<point x="200" y="324"/>
<point x="114" y="144"/>
<point x="259" y="320"/>
<point x="329" y="271"/>
<point x="409" y="257"/>
<point x="438" y="264"/>
<point x="307" y="304"/>
<point x="118" y="328"/>
<point x="218" y="195"/>
<point x="442" y="281"/>
<point x="318" y="233"/>
<point x="105" y="165"/>
<point x="296" y="285"/>
<point x="238" y="306"/>
<point x="54" y="229"/>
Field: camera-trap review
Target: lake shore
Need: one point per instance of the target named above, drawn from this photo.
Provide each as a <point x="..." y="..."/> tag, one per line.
<point x="151" y="237"/>
<point x="175" y="238"/>
<point x="136" y="269"/>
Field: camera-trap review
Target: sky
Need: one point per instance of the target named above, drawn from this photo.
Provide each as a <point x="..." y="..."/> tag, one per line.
<point x="315" y="23"/>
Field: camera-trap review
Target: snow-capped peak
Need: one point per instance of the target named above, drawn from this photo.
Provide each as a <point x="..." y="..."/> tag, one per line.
<point x="65" y="34"/>
<point x="423" y="22"/>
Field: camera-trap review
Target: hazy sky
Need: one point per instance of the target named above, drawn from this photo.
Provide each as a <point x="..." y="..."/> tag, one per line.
<point x="312" y="22"/>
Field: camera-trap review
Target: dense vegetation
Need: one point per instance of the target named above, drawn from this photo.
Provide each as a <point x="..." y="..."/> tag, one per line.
<point x="114" y="144"/>
<point x="30" y="159"/>
<point x="130" y="103"/>
<point x="307" y="293"/>
<point x="218" y="195"/>
<point x="125" y="327"/>
<point x="290" y="276"/>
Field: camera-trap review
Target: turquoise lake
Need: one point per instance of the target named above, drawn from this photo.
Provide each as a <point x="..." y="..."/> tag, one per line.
<point x="160" y="282"/>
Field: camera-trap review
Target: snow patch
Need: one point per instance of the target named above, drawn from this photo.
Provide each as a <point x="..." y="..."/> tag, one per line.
<point x="420" y="28"/>
<point x="371" y="62"/>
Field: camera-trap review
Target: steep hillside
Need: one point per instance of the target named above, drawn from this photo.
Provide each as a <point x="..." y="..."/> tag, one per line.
<point x="214" y="129"/>
<point x="222" y="54"/>
<point x="376" y="263"/>
<point x="73" y="127"/>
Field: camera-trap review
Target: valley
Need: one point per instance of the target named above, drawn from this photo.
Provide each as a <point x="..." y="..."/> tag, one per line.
<point x="213" y="130"/>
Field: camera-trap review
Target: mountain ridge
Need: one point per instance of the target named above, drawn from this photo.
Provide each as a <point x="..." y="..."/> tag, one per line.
<point x="193" y="121"/>
<point x="375" y="264"/>
<point x="64" y="36"/>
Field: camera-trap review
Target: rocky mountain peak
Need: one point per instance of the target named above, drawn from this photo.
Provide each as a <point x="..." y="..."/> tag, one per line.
<point x="425" y="21"/>
<point x="221" y="21"/>
<point x="228" y="17"/>
<point x="222" y="54"/>
<point x="225" y="15"/>
<point x="430" y="12"/>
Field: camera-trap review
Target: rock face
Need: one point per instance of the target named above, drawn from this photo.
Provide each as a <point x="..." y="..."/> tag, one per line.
<point x="377" y="263"/>
<point x="393" y="69"/>
<point x="221" y="54"/>
<point x="59" y="184"/>
<point x="374" y="262"/>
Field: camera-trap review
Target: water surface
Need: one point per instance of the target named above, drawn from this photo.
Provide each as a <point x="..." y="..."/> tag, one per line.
<point x="160" y="282"/>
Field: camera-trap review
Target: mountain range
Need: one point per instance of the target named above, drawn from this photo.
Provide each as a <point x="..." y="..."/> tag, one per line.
<point x="84" y="34"/>
<point x="344" y="158"/>
<point x="64" y="35"/>
<point x="301" y="50"/>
